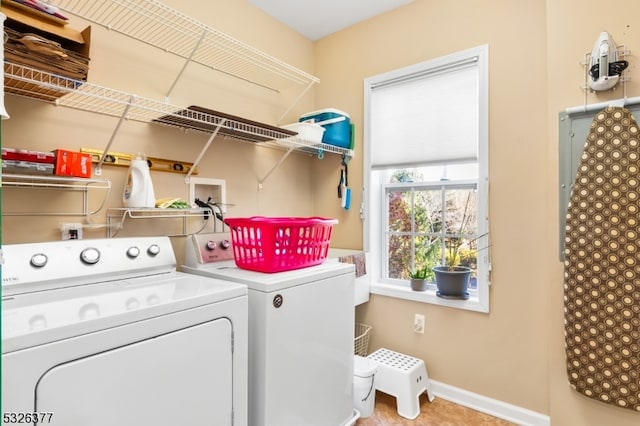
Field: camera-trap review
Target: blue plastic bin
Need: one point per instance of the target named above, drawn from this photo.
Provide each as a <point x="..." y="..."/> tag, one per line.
<point x="337" y="126"/>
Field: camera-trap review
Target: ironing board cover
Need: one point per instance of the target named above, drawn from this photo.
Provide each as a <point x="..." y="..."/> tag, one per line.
<point x="602" y="264"/>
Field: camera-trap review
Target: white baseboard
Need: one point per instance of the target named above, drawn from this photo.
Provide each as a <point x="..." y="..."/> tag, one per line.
<point x="502" y="410"/>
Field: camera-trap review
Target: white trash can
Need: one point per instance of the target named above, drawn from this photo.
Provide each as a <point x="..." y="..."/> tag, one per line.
<point x="364" y="386"/>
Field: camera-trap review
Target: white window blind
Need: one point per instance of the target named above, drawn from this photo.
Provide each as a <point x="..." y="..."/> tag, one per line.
<point x="428" y="117"/>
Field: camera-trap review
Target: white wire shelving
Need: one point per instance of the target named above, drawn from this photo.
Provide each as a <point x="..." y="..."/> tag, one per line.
<point x="24" y="81"/>
<point x="158" y="25"/>
<point x="116" y="217"/>
<point x="170" y="30"/>
<point x="57" y="183"/>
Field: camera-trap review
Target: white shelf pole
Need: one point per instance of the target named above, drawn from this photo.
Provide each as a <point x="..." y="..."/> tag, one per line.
<point x="273" y="169"/>
<point x="304" y="92"/>
<point x="204" y="149"/>
<point x="98" y="171"/>
<point x="186" y="62"/>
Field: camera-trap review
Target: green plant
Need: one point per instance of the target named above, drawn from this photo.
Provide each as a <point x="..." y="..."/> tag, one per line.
<point x="420" y="274"/>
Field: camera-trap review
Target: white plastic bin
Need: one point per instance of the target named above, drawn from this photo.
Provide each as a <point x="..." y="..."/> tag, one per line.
<point x="364" y="387"/>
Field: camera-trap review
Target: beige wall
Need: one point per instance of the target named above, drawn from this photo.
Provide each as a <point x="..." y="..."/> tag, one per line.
<point x="515" y="353"/>
<point x="501" y="355"/>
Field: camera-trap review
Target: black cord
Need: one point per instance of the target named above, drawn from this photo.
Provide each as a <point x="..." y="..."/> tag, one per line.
<point x="206" y="206"/>
<point x="218" y="214"/>
<point x="615" y="68"/>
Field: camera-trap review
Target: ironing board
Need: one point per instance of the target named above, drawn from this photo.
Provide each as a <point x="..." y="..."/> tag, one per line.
<point x="602" y="264"/>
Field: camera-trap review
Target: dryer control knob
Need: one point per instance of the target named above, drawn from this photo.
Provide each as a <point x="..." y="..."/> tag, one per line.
<point x="133" y="252"/>
<point x="225" y="244"/>
<point x="90" y="256"/>
<point x="278" y="300"/>
<point x="210" y="245"/>
<point x="153" y="250"/>
<point x="39" y="260"/>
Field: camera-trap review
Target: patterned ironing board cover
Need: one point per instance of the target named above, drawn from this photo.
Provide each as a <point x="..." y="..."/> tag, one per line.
<point x="602" y="264"/>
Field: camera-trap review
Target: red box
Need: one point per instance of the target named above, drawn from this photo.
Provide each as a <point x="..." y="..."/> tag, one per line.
<point x="25" y="155"/>
<point x="72" y="163"/>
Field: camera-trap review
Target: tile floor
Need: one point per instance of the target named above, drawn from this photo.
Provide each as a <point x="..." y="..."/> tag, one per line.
<point x="440" y="412"/>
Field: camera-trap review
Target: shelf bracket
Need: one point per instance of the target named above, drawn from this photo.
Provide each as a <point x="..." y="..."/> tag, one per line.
<point x="98" y="170"/>
<point x="304" y="92"/>
<point x="204" y="149"/>
<point x="273" y="169"/>
<point x="186" y="62"/>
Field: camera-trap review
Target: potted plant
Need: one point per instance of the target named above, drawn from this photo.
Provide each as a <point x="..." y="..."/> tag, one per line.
<point x="452" y="278"/>
<point x="418" y="278"/>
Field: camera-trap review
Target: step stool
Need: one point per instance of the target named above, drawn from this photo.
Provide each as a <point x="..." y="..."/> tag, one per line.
<point x="404" y="377"/>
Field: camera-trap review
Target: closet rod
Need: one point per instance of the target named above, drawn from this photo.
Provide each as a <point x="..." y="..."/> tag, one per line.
<point x="602" y="105"/>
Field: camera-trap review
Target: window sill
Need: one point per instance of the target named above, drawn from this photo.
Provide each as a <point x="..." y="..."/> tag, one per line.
<point x="428" y="296"/>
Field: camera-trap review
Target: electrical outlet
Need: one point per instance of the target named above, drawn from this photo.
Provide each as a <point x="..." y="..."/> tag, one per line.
<point x="418" y="324"/>
<point x="71" y="231"/>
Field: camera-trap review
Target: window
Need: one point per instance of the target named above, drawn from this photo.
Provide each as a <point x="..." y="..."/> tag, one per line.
<point x="426" y="173"/>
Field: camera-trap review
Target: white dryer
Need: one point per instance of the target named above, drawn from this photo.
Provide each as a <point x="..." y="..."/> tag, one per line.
<point x="106" y="332"/>
<point x="301" y="334"/>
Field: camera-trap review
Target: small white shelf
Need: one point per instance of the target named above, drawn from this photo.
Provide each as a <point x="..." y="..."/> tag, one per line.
<point x="116" y="217"/>
<point x="58" y="183"/>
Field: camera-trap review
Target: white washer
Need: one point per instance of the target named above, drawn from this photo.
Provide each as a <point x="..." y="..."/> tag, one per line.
<point x="301" y="331"/>
<point x="106" y="332"/>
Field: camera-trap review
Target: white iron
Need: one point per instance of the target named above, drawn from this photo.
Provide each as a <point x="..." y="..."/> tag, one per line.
<point x="604" y="66"/>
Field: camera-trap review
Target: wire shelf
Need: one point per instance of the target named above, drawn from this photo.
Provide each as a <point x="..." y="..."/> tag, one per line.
<point x="158" y="25"/>
<point x="97" y="99"/>
<point x="58" y="183"/>
<point x="116" y="217"/>
<point x="28" y="82"/>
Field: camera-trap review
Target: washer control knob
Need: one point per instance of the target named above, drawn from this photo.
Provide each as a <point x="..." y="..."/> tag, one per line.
<point x="38" y="260"/>
<point x="153" y="250"/>
<point x="210" y="245"/>
<point x="133" y="252"/>
<point x="225" y="244"/>
<point x="90" y="256"/>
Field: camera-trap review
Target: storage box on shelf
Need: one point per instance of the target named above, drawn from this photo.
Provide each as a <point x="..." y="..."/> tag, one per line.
<point x="337" y="126"/>
<point x="72" y="163"/>
<point x="13" y="154"/>
<point x="43" y="44"/>
<point x="307" y="131"/>
<point x="26" y="167"/>
<point x="25" y="162"/>
<point x="60" y="162"/>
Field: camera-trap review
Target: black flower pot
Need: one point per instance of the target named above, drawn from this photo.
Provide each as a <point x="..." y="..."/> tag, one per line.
<point x="452" y="283"/>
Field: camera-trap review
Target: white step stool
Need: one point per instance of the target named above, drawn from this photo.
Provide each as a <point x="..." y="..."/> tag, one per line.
<point x="404" y="377"/>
